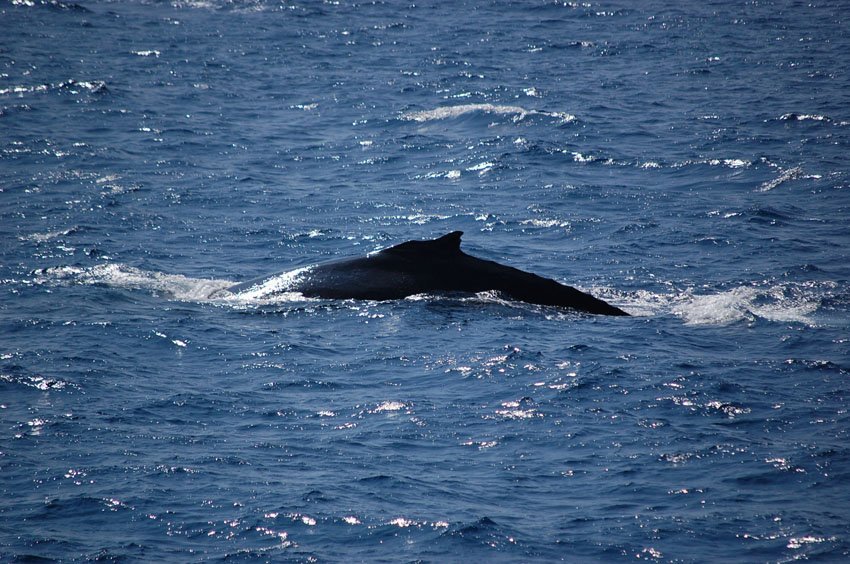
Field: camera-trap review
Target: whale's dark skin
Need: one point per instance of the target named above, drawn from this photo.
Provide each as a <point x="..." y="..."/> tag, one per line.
<point x="433" y="267"/>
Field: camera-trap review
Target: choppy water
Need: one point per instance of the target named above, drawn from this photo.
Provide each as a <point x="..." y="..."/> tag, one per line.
<point x="687" y="163"/>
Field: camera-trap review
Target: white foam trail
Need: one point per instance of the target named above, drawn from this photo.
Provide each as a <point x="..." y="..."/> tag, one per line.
<point x="739" y="304"/>
<point x="718" y="309"/>
<point x="447" y="112"/>
<point x="122" y="276"/>
<point x="747" y="303"/>
<point x="782" y="303"/>
<point x="176" y="286"/>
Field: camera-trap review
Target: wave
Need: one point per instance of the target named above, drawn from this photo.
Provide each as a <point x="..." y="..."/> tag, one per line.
<point x="450" y="112"/>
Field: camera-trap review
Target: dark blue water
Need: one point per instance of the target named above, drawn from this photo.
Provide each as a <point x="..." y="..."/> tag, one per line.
<point x="688" y="163"/>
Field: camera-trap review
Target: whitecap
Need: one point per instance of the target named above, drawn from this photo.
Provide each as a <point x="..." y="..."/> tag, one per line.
<point x="798" y="542"/>
<point x="449" y="174"/>
<point x="731" y="163"/>
<point x="54" y="3"/>
<point x="563" y="117"/>
<point x="38" y="382"/>
<point x="803" y="117"/>
<point x="422" y="219"/>
<point x="389" y="406"/>
<point x="482" y="168"/>
<point x="47" y="236"/>
<point x="448" y="112"/>
<point x="281" y="535"/>
<point x="309" y="521"/>
<point x="24" y="89"/>
<point x="518" y="413"/>
<point x="351" y="520"/>
<point x="107" y="178"/>
<point x="546" y="223"/>
<point x="74" y="86"/>
<point x="482" y="445"/>
<point x="785" y="175"/>
<point x="403" y="523"/>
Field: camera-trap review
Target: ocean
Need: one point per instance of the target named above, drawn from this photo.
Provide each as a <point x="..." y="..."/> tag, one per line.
<point x="687" y="162"/>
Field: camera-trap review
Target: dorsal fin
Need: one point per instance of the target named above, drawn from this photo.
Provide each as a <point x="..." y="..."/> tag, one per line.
<point x="449" y="241"/>
<point x="447" y="244"/>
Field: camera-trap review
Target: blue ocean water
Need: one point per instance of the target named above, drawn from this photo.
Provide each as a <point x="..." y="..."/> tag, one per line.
<point x="688" y="163"/>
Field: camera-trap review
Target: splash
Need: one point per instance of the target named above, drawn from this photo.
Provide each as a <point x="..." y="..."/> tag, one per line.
<point x="272" y="290"/>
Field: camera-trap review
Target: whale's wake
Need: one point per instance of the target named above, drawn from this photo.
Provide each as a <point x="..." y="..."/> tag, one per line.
<point x="174" y="286"/>
<point x="781" y="303"/>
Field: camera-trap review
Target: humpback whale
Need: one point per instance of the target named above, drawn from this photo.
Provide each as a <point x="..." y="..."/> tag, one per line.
<point x="435" y="266"/>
